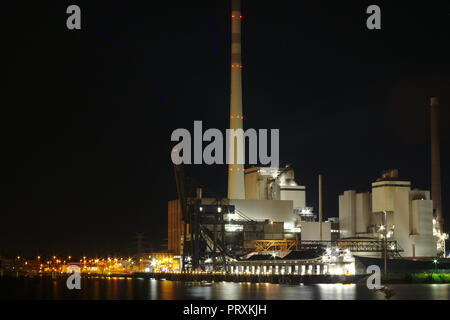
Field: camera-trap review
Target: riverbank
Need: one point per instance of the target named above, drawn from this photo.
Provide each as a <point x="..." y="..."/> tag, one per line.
<point x="394" y="278"/>
<point x="251" y="278"/>
<point x="414" y="278"/>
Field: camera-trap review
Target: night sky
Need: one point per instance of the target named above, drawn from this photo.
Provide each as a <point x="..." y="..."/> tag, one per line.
<point x="87" y="115"/>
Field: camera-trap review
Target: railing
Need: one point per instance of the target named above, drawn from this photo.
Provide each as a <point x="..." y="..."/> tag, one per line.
<point x="353" y="245"/>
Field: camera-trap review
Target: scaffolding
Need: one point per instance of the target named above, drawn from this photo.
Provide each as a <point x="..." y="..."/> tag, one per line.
<point x="365" y="245"/>
<point x="274" y="245"/>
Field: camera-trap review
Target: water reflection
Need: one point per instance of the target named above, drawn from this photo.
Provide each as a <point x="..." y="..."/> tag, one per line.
<point x="144" y="289"/>
<point x="166" y="290"/>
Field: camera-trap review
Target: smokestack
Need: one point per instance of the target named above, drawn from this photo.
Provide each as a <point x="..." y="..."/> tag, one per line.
<point x="436" y="162"/>
<point x="236" y="188"/>
<point x="320" y="206"/>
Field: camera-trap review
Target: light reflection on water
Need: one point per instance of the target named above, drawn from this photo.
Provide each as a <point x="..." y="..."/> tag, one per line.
<point x="144" y="289"/>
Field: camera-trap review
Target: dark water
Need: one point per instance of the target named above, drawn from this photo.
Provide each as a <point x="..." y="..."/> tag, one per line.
<point x="143" y="289"/>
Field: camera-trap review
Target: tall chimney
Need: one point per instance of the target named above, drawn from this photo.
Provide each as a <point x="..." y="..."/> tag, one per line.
<point x="236" y="188"/>
<point x="436" y="162"/>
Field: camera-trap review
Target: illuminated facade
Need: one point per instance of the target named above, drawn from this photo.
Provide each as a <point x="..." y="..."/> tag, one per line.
<point x="391" y="210"/>
<point x="333" y="262"/>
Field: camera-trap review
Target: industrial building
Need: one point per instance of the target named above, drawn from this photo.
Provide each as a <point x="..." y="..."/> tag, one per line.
<point x="274" y="210"/>
<point x="264" y="224"/>
<point x="264" y="204"/>
<point x="307" y="262"/>
<point x="392" y="210"/>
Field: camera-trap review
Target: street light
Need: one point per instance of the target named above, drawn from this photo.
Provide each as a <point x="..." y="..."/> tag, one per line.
<point x="435" y="261"/>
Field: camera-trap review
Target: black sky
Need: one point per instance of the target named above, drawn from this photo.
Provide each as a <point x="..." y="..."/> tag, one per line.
<point x="87" y="115"/>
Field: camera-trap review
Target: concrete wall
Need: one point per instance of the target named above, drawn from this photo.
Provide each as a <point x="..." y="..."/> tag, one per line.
<point x="253" y="232"/>
<point x="347" y="214"/>
<point x="269" y="231"/>
<point x="363" y="211"/>
<point x="256" y="183"/>
<point x="274" y="231"/>
<point x="251" y="185"/>
<point x="413" y="221"/>
<point x="423" y="239"/>
<point x="355" y="213"/>
<point x="425" y="246"/>
<point x="260" y="210"/>
<point x="415" y="212"/>
<point x="424" y="208"/>
<point x="275" y="227"/>
<point x="311" y="230"/>
<point x="295" y="193"/>
<point x="383" y="194"/>
<point x="401" y="214"/>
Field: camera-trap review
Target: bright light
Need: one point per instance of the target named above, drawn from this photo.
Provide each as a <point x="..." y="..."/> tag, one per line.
<point x="337" y="271"/>
<point x="351" y="268"/>
<point x="348" y="254"/>
<point x="306" y="211"/>
<point x="289" y="227"/>
<point x="233" y="227"/>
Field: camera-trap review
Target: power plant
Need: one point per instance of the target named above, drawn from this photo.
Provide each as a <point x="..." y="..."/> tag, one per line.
<point x="264" y="224"/>
<point x="392" y="210"/>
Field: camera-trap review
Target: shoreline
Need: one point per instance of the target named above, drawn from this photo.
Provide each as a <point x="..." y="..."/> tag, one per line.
<point x="394" y="278"/>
